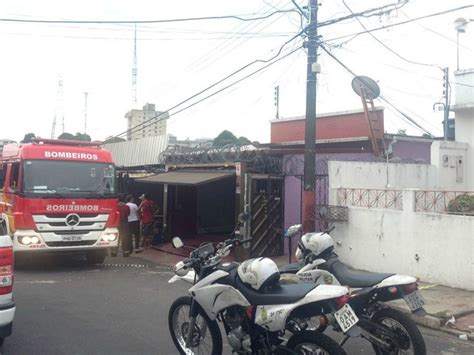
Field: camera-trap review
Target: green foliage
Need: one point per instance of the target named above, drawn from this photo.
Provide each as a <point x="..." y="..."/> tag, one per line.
<point x="114" y="140"/>
<point x="226" y="138"/>
<point x="28" y="137"/>
<point x="78" y="137"/>
<point x="402" y="132"/>
<point x="462" y="204"/>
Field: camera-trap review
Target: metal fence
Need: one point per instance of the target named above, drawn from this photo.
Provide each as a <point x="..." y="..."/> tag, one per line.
<point x="371" y="198"/>
<point x="444" y="202"/>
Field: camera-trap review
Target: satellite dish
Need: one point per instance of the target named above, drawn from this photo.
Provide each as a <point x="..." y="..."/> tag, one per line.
<point x="372" y="90"/>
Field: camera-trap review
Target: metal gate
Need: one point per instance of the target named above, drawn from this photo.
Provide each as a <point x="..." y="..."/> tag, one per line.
<point x="322" y="194"/>
<point x="265" y="197"/>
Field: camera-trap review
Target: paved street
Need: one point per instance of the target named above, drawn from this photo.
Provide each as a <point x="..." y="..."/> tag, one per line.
<point x="70" y="308"/>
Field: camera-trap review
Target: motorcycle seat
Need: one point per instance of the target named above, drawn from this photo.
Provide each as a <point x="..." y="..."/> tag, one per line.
<point x="350" y="277"/>
<point x="278" y="294"/>
<point x="290" y="268"/>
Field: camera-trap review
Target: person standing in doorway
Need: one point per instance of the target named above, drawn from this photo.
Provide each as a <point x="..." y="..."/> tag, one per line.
<point x="134" y="222"/>
<point x="147" y="211"/>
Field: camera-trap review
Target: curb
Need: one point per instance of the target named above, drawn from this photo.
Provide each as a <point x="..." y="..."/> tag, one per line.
<point x="437" y="323"/>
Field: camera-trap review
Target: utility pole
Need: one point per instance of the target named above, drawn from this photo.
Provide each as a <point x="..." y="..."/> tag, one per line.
<point x="446" y="102"/>
<point x="277" y="101"/>
<point x="309" y="195"/>
<point x="134" y="69"/>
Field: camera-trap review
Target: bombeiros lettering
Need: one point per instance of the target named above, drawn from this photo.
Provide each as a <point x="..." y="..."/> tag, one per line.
<point x="70" y="155"/>
<point x="72" y="208"/>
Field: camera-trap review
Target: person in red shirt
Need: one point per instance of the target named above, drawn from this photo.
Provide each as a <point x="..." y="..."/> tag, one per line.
<point x="147" y="211"/>
<point x="124" y="231"/>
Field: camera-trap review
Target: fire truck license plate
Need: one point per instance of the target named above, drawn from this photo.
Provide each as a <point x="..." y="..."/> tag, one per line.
<point x="72" y="238"/>
<point x="414" y="300"/>
<point x="346" y="318"/>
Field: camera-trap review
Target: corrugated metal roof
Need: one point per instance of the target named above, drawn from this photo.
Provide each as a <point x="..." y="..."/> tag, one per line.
<point x="138" y="152"/>
<point x="187" y="177"/>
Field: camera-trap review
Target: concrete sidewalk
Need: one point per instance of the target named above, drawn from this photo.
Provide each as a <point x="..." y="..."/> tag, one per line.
<point x="443" y="303"/>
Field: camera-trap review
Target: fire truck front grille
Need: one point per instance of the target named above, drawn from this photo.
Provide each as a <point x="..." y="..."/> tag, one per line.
<point x="71" y="244"/>
<point x="56" y="223"/>
<point x="64" y="215"/>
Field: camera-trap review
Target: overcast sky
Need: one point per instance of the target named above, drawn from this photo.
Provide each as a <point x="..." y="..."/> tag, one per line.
<point x="175" y="60"/>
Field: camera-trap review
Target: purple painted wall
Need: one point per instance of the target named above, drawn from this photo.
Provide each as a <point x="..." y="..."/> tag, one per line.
<point x="413" y="151"/>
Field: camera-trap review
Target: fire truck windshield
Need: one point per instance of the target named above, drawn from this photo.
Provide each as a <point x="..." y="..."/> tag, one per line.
<point x="65" y="179"/>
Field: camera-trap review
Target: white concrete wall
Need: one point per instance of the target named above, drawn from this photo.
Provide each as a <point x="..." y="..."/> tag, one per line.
<point x="464" y="109"/>
<point x="438" y="248"/>
<point x="373" y="175"/>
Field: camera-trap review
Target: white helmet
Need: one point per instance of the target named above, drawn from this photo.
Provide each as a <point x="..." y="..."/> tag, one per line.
<point x="259" y="273"/>
<point x="317" y="243"/>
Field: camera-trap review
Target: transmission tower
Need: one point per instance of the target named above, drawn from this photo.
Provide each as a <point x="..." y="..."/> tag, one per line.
<point x="85" y="112"/>
<point x="134" y="69"/>
<point x="59" y="109"/>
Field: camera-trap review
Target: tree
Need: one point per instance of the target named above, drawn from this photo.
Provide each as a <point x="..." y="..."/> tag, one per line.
<point x="113" y="140"/>
<point x="226" y="138"/>
<point x="67" y="136"/>
<point x="244" y="141"/>
<point x="402" y="132"/>
<point x="28" y="137"/>
<point x="78" y="137"/>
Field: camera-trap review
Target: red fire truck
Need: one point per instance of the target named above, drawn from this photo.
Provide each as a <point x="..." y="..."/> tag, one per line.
<point x="59" y="196"/>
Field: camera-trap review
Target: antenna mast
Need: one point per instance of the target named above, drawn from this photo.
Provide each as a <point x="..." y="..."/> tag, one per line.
<point x="85" y="112"/>
<point x="59" y="109"/>
<point x="134" y="69"/>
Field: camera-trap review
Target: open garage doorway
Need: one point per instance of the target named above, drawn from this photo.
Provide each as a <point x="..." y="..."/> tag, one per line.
<point x="198" y="205"/>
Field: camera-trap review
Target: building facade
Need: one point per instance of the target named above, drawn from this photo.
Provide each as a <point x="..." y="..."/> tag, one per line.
<point x="148" y="122"/>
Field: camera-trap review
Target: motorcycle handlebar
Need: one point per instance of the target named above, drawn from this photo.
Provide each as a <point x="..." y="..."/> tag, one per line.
<point x="329" y="230"/>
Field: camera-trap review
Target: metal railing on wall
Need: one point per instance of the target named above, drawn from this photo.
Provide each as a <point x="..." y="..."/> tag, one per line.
<point x="454" y="202"/>
<point x="371" y="198"/>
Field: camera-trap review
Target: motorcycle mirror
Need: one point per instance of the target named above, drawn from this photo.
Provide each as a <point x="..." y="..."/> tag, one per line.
<point x="293" y="230"/>
<point x="177" y="242"/>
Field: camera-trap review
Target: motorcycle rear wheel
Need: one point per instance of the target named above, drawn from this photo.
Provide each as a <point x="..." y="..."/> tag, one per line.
<point x="206" y="335"/>
<point x="409" y="340"/>
<point x="311" y="342"/>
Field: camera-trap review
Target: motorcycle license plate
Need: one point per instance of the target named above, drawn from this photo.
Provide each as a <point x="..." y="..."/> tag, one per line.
<point x="72" y="238"/>
<point x="414" y="300"/>
<point x="346" y="318"/>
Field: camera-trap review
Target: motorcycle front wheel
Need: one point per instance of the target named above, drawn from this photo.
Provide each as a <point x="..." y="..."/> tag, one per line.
<point x="206" y="336"/>
<point x="310" y="342"/>
<point x="409" y="339"/>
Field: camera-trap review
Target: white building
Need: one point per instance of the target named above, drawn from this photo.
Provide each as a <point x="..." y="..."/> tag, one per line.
<point x="464" y="109"/>
<point x="146" y="123"/>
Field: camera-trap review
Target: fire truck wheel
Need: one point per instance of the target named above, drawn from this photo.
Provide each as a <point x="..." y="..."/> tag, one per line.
<point x="96" y="256"/>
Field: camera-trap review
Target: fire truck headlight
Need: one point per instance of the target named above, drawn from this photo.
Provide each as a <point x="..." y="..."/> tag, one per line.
<point x="25" y="240"/>
<point x="34" y="240"/>
<point x="110" y="237"/>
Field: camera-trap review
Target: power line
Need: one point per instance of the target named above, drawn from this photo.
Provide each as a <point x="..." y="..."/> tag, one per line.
<point x="223" y="79"/>
<point x="162" y="116"/>
<point x="437" y="33"/>
<point x="354" y="35"/>
<point x="185" y="19"/>
<point x="408" y="118"/>
<point x="383" y="44"/>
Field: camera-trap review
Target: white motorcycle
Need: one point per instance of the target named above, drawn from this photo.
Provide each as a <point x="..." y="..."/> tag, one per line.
<point x="389" y="330"/>
<point x="257" y="312"/>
